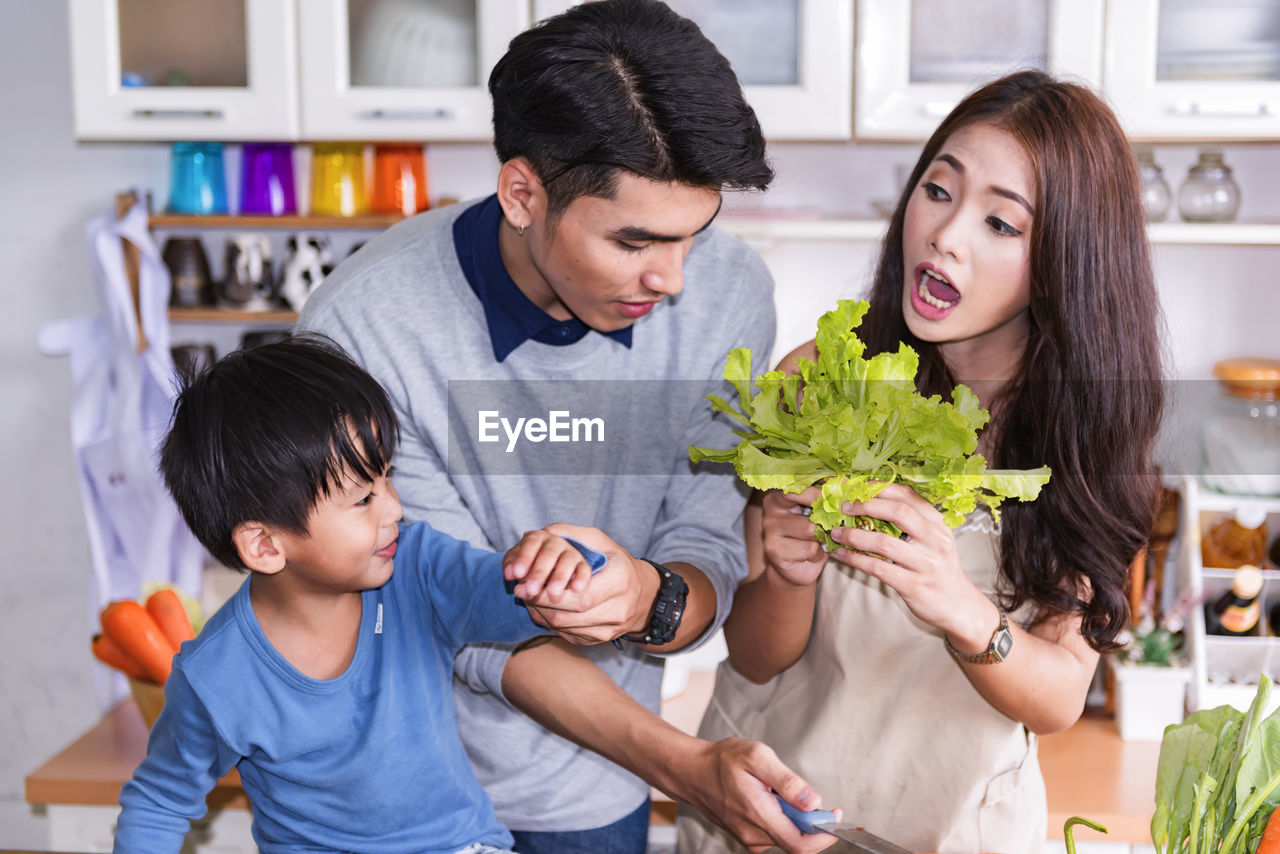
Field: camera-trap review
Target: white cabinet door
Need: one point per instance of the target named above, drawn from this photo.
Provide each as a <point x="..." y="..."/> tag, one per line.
<point x="793" y="57"/>
<point x="402" y="69"/>
<point x="916" y="59"/>
<point x="195" y="70"/>
<point x="1195" y="69"/>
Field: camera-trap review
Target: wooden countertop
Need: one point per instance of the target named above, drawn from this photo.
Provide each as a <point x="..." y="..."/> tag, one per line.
<point x="92" y="769"/>
<point x="1089" y="770"/>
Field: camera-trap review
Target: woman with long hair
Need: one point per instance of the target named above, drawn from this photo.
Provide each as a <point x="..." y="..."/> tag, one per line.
<point x="907" y="679"/>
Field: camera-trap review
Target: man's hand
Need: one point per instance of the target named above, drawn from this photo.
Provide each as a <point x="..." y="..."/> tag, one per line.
<point x="618" y="600"/>
<point x="732" y="782"/>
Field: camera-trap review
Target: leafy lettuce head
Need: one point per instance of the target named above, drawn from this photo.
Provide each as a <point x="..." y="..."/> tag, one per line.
<point x="855" y="425"/>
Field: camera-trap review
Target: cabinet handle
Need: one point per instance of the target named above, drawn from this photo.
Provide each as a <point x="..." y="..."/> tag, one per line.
<point x="1197" y="108"/>
<point x="177" y="113"/>
<point x="427" y="113"/>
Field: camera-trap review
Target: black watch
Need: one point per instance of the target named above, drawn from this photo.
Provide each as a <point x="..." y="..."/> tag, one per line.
<point x="668" y="609"/>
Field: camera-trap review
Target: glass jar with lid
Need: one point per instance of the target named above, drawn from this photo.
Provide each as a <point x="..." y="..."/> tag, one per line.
<point x="1156" y="195"/>
<point x="1209" y="193"/>
<point x="1242" y="432"/>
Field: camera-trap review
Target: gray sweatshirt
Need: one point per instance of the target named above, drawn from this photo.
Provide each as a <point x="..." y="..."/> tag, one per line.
<point x="610" y="451"/>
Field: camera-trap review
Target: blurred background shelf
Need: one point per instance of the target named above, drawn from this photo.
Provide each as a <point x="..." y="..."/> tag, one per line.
<point x="369" y="222"/>
<point x="230" y="315"/>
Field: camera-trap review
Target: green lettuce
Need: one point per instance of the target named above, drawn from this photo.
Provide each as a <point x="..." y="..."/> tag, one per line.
<point x="856" y="425"/>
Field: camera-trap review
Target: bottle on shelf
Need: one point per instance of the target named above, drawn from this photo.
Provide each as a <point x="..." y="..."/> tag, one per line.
<point x="1236" y="539"/>
<point x="1236" y="611"/>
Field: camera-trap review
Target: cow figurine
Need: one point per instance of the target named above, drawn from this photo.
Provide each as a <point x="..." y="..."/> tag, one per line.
<point x="309" y="259"/>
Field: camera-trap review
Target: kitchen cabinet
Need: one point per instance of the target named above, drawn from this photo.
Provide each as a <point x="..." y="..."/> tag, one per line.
<point x="1194" y="69"/>
<point x="916" y="59"/>
<point x="157" y="70"/>
<point x="287" y="69"/>
<point x="401" y="69"/>
<point x="793" y="57"/>
<point x="1224" y="670"/>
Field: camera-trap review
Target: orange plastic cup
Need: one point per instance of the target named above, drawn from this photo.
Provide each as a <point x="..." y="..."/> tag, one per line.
<point x="337" y="179"/>
<point x="399" y="179"/>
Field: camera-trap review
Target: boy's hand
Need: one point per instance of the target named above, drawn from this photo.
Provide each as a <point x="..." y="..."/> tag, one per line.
<point x="619" y="600"/>
<point x="545" y="565"/>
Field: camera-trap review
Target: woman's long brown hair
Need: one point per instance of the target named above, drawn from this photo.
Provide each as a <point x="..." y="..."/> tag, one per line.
<point x="1089" y="395"/>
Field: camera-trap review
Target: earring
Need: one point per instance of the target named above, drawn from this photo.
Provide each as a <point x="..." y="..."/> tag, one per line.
<point x="520" y="230"/>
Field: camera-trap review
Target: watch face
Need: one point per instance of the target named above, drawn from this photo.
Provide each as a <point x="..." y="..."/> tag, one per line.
<point x="1004" y="643"/>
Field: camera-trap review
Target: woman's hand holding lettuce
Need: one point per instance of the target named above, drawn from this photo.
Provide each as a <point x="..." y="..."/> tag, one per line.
<point x="856" y="425"/>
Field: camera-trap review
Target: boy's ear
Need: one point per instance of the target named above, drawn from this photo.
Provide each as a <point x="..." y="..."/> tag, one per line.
<point x="259" y="548"/>
<point x="520" y="193"/>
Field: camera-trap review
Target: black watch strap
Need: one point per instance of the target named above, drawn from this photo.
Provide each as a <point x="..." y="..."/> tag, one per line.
<point x="668" y="609"/>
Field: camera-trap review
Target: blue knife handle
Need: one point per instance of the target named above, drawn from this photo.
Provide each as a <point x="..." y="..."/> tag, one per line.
<point x="806" y="822"/>
<point x="595" y="560"/>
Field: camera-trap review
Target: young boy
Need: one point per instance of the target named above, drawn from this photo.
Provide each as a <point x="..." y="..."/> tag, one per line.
<point x="326" y="677"/>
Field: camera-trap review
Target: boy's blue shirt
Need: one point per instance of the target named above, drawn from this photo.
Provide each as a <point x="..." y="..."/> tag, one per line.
<point x="369" y="761"/>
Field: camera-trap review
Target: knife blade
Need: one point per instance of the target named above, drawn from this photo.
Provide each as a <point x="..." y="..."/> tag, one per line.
<point x="824" y="821"/>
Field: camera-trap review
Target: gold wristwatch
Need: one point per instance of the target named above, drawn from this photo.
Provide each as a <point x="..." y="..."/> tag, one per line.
<point x="997" y="650"/>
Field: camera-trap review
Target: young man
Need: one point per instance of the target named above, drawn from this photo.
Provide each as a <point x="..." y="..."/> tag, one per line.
<point x="590" y="287"/>
<point x="326" y="678"/>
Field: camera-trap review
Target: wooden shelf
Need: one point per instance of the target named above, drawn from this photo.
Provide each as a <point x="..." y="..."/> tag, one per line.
<point x="368" y="222"/>
<point x="230" y="315"/>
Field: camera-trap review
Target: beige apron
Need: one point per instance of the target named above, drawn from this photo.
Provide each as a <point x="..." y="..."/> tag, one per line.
<point x="883" y="723"/>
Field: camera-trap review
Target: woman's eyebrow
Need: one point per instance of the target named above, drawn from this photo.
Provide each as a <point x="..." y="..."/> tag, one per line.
<point x="999" y="191"/>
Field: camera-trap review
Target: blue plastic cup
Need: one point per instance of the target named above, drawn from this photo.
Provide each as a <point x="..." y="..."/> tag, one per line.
<point x="198" y="183"/>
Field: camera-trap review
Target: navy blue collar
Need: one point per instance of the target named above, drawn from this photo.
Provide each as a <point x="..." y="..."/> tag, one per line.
<point x="511" y="316"/>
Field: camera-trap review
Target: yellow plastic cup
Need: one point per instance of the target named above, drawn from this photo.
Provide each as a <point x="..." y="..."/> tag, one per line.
<point x="337" y="179"/>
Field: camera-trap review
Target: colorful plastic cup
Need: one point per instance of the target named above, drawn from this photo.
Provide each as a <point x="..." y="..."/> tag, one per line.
<point x="337" y="179"/>
<point x="198" y="184"/>
<point x="266" y="179"/>
<point x="399" y="179"/>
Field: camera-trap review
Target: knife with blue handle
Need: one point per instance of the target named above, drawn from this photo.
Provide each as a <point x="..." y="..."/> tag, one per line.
<point x="824" y="821"/>
<point x="595" y="560"/>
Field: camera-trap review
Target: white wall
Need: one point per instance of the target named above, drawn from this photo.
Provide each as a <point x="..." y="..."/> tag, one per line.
<point x="1219" y="301"/>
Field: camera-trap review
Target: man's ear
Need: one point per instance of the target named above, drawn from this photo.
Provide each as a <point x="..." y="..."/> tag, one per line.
<point x="520" y="192"/>
<point x="259" y="548"/>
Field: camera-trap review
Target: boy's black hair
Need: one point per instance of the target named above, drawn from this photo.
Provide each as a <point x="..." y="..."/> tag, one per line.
<point x="264" y="433"/>
<point x="623" y="85"/>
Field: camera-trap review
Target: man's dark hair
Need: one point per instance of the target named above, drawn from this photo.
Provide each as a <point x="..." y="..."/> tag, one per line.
<point x="264" y="433"/>
<point x="623" y="85"/>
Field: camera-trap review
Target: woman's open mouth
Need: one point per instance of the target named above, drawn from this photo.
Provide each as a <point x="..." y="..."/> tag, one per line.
<point x="933" y="296"/>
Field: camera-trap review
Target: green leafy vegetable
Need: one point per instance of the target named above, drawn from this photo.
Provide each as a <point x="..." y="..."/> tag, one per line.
<point x="1218" y="779"/>
<point x="856" y="425"/>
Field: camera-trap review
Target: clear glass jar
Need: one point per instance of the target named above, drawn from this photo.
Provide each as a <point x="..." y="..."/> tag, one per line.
<point x="1156" y="195"/>
<point x="1242" y="432"/>
<point x="1209" y="193"/>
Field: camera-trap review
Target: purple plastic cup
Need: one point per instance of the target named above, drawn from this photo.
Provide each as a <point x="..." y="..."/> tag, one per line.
<point x="266" y="179"/>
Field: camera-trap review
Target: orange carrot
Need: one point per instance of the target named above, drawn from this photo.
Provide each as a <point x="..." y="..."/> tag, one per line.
<point x="1270" y="842"/>
<point x="134" y="631"/>
<point x="165" y="607"/>
<point x="106" y="651"/>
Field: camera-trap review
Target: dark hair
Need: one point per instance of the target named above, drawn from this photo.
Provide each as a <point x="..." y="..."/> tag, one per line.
<point x="264" y="433"/>
<point x="623" y="85"/>
<point x="1089" y="395"/>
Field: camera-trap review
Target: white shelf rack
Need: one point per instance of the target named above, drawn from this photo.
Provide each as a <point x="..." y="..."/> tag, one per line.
<point x="1224" y="670"/>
